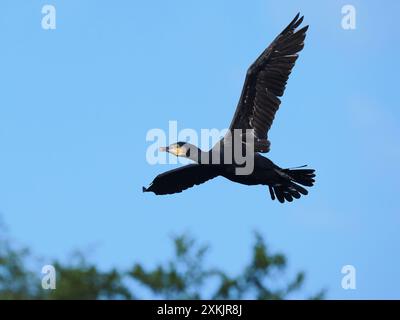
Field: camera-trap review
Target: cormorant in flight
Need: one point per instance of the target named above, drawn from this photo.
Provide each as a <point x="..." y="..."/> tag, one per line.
<point x="265" y="83"/>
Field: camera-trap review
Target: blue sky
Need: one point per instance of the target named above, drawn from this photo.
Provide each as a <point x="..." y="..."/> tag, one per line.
<point x="76" y="104"/>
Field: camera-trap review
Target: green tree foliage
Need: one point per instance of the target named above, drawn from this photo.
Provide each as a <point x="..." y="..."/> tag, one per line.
<point x="81" y="280"/>
<point x="185" y="276"/>
<point x="16" y="281"/>
<point x="77" y="280"/>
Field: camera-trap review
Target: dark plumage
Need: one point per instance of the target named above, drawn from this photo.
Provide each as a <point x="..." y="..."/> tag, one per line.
<point x="265" y="82"/>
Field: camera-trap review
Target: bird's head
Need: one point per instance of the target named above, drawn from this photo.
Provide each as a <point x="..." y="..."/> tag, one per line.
<point x="181" y="149"/>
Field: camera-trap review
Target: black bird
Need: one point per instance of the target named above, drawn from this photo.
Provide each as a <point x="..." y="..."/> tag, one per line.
<point x="265" y="83"/>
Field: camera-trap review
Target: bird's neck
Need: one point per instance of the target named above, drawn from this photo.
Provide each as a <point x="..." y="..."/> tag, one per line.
<point x="199" y="156"/>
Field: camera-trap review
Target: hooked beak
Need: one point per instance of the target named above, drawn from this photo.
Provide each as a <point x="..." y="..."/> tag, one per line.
<point x="176" y="151"/>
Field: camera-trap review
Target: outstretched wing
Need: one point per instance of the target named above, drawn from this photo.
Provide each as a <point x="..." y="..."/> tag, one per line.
<point x="265" y="82"/>
<point x="182" y="178"/>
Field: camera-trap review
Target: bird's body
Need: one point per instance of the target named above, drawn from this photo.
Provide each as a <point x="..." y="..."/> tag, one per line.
<point x="263" y="173"/>
<point x="265" y="83"/>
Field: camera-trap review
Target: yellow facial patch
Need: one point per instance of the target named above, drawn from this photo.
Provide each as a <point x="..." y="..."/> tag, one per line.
<point x="178" y="151"/>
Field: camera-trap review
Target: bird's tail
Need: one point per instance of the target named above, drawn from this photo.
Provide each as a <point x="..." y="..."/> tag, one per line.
<point x="291" y="188"/>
